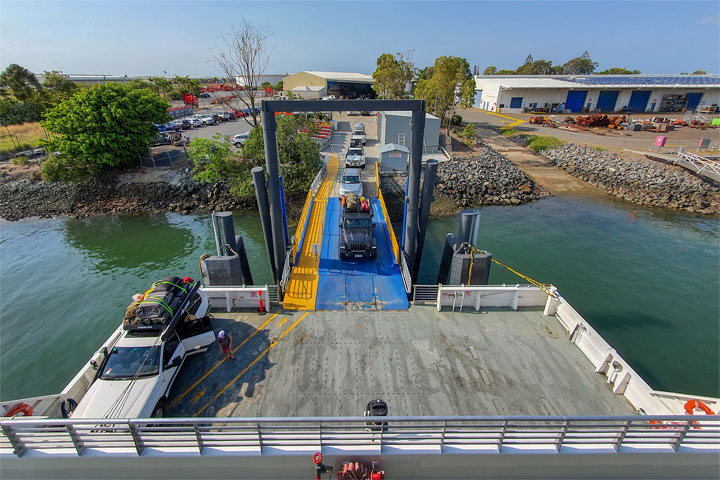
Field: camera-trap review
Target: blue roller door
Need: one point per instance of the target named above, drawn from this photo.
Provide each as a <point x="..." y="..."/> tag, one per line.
<point x="607" y="100"/>
<point x="575" y="100"/>
<point x="638" y="100"/>
<point x="516" y="102"/>
<point x="693" y="100"/>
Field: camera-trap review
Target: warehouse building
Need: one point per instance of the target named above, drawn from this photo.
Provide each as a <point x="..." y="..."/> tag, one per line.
<point x="395" y="128"/>
<point x="340" y="84"/>
<point x="597" y="93"/>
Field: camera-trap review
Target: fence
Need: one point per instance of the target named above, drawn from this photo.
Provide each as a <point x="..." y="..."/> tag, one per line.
<point x="237" y="297"/>
<point x="477" y="297"/>
<point x="347" y="435"/>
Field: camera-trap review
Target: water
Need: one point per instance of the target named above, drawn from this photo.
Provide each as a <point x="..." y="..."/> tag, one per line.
<point x="646" y="279"/>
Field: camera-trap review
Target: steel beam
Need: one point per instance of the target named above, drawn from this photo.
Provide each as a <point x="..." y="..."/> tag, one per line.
<point x="342" y="105"/>
<point x="417" y="131"/>
<point x="258" y="182"/>
<point x="272" y="163"/>
<point x="425" y="202"/>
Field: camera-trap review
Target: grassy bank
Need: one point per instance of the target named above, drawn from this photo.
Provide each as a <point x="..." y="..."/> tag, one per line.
<point x="536" y="142"/>
<point x="28" y="135"/>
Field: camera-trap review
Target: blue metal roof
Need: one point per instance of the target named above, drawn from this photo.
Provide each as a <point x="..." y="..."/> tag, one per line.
<point x="658" y="80"/>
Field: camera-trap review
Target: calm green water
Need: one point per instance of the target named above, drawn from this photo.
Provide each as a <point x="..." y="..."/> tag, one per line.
<point x="647" y="280"/>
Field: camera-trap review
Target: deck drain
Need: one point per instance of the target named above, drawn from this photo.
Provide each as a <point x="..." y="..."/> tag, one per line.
<point x="551" y="333"/>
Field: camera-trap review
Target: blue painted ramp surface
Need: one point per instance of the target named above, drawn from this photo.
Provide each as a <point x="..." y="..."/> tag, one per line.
<point x="363" y="283"/>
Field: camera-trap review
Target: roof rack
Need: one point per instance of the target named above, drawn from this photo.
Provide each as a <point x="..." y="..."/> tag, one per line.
<point x="166" y="326"/>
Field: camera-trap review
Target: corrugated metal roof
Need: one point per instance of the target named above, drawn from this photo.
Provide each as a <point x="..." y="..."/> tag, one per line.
<point x="407" y="113"/>
<point x="600" y="81"/>
<point x="307" y="88"/>
<point x="342" y="76"/>
<point x="392" y="146"/>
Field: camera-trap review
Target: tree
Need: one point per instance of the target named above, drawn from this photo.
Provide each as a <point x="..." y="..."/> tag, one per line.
<point x="699" y="72"/>
<point x="582" y="65"/>
<point x="469" y="134"/>
<point x="491" y="70"/>
<point x="392" y="75"/>
<point x="299" y="154"/>
<point x="20" y="82"/>
<point x="213" y="160"/>
<point x="160" y="85"/>
<point x="449" y="85"/>
<point x="243" y="57"/>
<point x="506" y="72"/>
<point x="13" y="112"/>
<point x="279" y="86"/>
<point x="618" y="71"/>
<point x="105" y="126"/>
<point x="56" y="88"/>
<point x="535" y="67"/>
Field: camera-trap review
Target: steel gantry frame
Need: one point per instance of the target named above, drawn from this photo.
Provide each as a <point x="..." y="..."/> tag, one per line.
<point x="270" y="108"/>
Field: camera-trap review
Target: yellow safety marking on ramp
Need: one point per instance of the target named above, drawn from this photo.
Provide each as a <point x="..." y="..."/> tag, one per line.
<point x="282" y="321"/>
<point x="179" y="397"/>
<point x="388" y="223"/>
<point x="515" y="123"/>
<point x="197" y="397"/>
<point x="272" y="345"/>
<point x="301" y="290"/>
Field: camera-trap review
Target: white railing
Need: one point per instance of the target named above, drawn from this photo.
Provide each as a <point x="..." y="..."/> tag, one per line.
<point x="238" y="297"/>
<point x="479" y="296"/>
<point x="315" y="185"/>
<point x="698" y="164"/>
<point x="351" y="435"/>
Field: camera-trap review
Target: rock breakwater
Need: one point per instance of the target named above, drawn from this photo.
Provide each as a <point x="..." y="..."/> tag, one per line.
<point x="488" y="178"/>
<point x="638" y="180"/>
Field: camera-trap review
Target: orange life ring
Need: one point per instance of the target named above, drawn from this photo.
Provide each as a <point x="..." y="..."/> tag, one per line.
<point x="317" y="458"/>
<point x="21" y="407"/>
<point x="691" y="405"/>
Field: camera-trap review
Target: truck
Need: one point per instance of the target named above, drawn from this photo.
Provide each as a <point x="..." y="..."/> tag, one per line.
<point x="355" y="157"/>
<point x="356" y="228"/>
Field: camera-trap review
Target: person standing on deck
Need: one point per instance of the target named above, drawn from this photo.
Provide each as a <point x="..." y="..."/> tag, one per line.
<point x="225" y="344"/>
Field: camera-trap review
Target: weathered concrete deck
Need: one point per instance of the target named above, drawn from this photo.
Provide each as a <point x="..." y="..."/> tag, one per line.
<point x="421" y="362"/>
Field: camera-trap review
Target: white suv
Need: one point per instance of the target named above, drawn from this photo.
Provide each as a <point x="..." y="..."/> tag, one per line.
<point x="351" y="182"/>
<point x="355" y="157"/>
<point x="137" y="372"/>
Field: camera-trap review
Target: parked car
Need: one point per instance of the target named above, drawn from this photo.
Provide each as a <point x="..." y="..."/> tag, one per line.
<point x="239" y="139"/>
<point x="365" y="113"/>
<point x="195" y="122"/>
<point x="227" y="116"/>
<point x="217" y="117"/>
<point x="329" y="97"/>
<point x="358" y="135"/>
<point x="204" y="95"/>
<point x="207" y="119"/>
<point x="353" y="113"/>
<point x="161" y="127"/>
<point x="173" y="126"/>
<point x="351" y="182"/>
<point x="360" y="127"/>
<point x="184" y="124"/>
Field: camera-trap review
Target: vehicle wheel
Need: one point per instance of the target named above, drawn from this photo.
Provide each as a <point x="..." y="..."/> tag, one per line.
<point x="237" y="145"/>
<point x="159" y="410"/>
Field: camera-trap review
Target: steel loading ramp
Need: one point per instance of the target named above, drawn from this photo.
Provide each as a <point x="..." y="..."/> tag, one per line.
<point x="321" y="281"/>
<point x="358" y="284"/>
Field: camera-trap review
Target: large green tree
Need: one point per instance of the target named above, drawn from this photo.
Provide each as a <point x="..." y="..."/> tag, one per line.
<point x="299" y="154"/>
<point x="448" y="85"/>
<point x="19" y="82"/>
<point x="56" y="88"/>
<point x="582" y="65"/>
<point x="392" y="75"/>
<point x="105" y="126"/>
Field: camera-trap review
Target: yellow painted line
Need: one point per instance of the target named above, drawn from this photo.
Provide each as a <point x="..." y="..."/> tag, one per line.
<point x="302" y="286"/>
<point x="282" y="321"/>
<point x="275" y="342"/>
<point x="197" y="397"/>
<point x="388" y="223"/>
<point x="179" y="397"/>
<point x="515" y="123"/>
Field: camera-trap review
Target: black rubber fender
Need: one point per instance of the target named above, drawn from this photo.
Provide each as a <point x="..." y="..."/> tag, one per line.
<point x="67" y="407"/>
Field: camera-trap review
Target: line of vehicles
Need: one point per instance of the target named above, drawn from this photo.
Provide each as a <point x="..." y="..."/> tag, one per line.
<point x="355" y="156"/>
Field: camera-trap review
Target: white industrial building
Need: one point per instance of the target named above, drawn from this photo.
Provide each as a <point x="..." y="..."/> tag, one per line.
<point x="597" y="93"/>
<point x="395" y="128"/>
<point x="340" y="84"/>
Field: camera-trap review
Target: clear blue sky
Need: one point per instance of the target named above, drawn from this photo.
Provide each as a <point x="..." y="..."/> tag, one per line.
<point x="152" y="37"/>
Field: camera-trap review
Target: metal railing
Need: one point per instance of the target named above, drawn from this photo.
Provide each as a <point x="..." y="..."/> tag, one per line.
<point x="409" y="435"/>
<point x="698" y="164"/>
<point x="405" y="273"/>
<point x="315" y="185"/>
<point x="425" y="294"/>
<point x="287" y="269"/>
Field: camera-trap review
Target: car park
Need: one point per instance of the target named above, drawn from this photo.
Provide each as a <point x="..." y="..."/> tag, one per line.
<point x="239" y="139"/>
<point x="351" y="182"/>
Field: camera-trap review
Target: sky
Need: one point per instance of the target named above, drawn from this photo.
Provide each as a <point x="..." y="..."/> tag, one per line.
<point x="146" y="37"/>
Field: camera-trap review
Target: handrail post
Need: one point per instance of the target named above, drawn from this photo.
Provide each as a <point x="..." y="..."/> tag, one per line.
<point x="621" y="436"/>
<point x="137" y="440"/>
<point x="259" y="436"/>
<point x="198" y="437"/>
<point x="442" y="437"/>
<point x="681" y="436"/>
<point x="561" y="437"/>
<point x="76" y="439"/>
<point x="501" y="438"/>
<point x="18" y="445"/>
